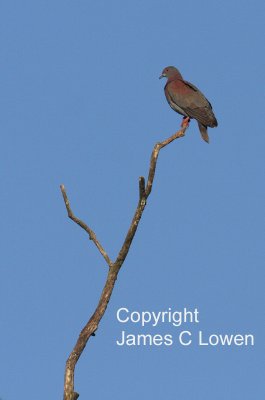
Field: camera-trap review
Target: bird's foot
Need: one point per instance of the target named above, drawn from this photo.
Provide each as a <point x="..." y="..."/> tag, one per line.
<point x="185" y="122"/>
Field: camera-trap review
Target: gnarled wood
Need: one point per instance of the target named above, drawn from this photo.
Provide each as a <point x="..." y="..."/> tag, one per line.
<point x="93" y="323"/>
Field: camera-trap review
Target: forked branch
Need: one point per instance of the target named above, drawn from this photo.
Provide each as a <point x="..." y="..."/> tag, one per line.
<point x="93" y="323"/>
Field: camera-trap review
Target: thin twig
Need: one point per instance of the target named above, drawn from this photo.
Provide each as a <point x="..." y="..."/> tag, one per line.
<point x="92" y="235"/>
<point x="93" y="323"/>
<point x="154" y="157"/>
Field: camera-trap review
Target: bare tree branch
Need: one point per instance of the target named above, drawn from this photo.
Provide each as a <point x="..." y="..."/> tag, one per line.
<point x="155" y="154"/>
<point x="92" y="325"/>
<point x="142" y="193"/>
<point x="92" y="235"/>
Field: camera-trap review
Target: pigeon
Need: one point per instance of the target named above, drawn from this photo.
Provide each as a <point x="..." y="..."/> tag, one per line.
<point x="187" y="100"/>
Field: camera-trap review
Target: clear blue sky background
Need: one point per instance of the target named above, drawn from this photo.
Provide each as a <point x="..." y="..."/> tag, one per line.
<point x="81" y="104"/>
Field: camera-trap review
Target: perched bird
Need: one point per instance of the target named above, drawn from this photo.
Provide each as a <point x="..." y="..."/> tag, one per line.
<point x="187" y="100"/>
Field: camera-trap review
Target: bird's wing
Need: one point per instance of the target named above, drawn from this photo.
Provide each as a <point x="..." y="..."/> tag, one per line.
<point x="197" y="90"/>
<point x="191" y="101"/>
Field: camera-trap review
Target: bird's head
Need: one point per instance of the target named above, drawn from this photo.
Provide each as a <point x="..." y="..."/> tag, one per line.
<point x="170" y="72"/>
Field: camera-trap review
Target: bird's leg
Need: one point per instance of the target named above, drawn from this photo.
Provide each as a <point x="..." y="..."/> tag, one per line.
<point x="185" y="122"/>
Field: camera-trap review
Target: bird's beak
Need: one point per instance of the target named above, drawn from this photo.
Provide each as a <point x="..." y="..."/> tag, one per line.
<point x="162" y="76"/>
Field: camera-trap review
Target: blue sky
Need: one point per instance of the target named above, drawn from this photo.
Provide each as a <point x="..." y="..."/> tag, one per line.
<point x="81" y="104"/>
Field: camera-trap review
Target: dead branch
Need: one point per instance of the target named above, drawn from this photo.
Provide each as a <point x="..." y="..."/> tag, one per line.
<point x="78" y="221"/>
<point x="93" y="323"/>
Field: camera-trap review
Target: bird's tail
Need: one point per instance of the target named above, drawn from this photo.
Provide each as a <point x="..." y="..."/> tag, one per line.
<point x="204" y="133"/>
